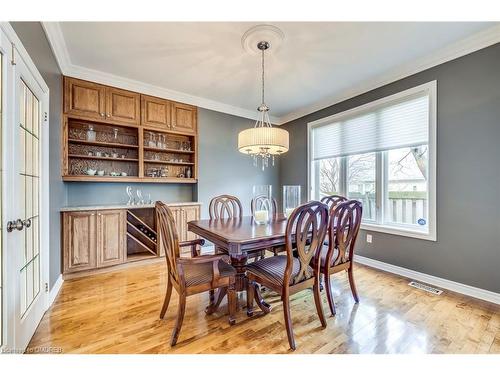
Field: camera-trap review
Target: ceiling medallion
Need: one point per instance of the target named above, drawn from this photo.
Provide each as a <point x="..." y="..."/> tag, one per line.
<point x="262" y="141"/>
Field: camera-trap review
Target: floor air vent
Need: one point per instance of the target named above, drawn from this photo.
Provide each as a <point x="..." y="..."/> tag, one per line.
<point x="426" y="288"/>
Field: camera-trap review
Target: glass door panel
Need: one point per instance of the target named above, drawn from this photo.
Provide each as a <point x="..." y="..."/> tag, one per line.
<point x="29" y="107"/>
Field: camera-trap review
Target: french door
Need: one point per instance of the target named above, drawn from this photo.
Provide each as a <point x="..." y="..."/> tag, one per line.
<point x="25" y="193"/>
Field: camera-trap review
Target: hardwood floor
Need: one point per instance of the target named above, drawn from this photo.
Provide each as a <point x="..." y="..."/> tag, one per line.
<point x="118" y="312"/>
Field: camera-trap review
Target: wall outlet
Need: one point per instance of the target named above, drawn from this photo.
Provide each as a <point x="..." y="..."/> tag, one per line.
<point x="369" y="238"/>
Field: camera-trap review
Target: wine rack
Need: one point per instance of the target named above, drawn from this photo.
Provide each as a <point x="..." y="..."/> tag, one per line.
<point x="142" y="239"/>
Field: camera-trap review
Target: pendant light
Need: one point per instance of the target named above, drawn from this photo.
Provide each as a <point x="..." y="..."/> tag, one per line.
<point x="263" y="142"/>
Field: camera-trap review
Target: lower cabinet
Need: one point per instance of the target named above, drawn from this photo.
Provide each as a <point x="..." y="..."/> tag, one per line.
<point x="93" y="239"/>
<point x="98" y="239"/>
<point x="111" y="232"/>
<point x="79" y="241"/>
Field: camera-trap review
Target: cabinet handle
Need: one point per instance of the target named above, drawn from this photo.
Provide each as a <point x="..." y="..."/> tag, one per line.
<point x="108" y="115"/>
<point x="92" y="214"/>
<point x="102" y="114"/>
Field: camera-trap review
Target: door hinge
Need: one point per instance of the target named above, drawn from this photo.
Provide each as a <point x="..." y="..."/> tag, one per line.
<point x="46" y="287"/>
<point x="13" y="62"/>
<point x="45" y="116"/>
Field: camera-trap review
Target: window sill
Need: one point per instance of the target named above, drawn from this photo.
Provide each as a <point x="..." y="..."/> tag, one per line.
<point x="398" y="231"/>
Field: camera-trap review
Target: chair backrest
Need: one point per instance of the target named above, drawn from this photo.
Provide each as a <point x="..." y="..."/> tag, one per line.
<point x="305" y="233"/>
<point x="332" y="200"/>
<point x="261" y="202"/>
<point x="225" y="206"/>
<point x="344" y="227"/>
<point x="168" y="237"/>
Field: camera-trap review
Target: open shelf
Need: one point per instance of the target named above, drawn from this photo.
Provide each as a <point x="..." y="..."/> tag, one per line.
<point x="167" y="162"/>
<point x="140" y="256"/>
<point x="104" y="144"/>
<point x="101" y="158"/>
<point x="168" y="150"/>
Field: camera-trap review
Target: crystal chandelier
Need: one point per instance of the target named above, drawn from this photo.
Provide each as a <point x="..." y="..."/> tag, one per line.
<point x="263" y="141"/>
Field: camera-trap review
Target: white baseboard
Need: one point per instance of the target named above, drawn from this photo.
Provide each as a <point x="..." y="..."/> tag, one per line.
<point x="55" y="290"/>
<point x="468" y="290"/>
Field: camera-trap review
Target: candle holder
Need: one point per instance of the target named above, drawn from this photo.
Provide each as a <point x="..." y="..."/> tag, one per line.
<point x="262" y="196"/>
<point x="291" y="198"/>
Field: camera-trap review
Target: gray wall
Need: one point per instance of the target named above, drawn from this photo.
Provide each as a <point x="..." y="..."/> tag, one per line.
<point x="222" y="169"/>
<point x="34" y="40"/>
<point x="468" y="173"/>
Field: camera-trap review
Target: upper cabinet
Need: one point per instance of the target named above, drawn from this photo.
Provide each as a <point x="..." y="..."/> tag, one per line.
<point x="91" y="100"/>
<point x="184" y="118"/>
<point x="123" y="106"/>
<point x="155" y="112"/>
<point x="84" y="98"/>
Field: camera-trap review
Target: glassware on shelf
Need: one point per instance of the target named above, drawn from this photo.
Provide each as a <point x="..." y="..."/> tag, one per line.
<point x="262" y="195"/>
<point x="148" y="200"/>
<point x="152" y="140"/>
<point x="91" y="135"/>
<point x="291" y="198"/>
<point x="140" y="198"/>
<point x="115" y="135"/>
<point x="130" y="194"/>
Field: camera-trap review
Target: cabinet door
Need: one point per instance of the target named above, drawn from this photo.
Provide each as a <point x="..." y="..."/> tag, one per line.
<point x="84" y="98"/>
<point x="110" y="237"/>
<point x="191" y="213"/>
<point x="123" y="106"/>
<point x="184" y="118"/>
<point x="155" y="112"/>
<point x="79" y="241"/>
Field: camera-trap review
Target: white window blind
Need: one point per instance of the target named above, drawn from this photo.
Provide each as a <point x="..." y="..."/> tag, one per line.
<point x="401" y="123"/>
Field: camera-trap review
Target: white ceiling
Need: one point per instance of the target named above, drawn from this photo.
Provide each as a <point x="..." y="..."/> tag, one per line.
<point x="318" y="63"/>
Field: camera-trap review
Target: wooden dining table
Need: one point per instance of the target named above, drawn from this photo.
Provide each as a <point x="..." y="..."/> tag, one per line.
<point x="238" y="237"/>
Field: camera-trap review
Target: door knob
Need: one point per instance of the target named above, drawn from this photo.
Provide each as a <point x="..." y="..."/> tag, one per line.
<point x="18" y="224"/>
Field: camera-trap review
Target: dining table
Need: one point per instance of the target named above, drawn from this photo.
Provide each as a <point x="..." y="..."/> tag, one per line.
<point x="238" y="237"/>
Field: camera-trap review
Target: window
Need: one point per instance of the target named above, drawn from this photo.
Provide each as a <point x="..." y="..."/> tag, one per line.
<point x="383" y="154"/>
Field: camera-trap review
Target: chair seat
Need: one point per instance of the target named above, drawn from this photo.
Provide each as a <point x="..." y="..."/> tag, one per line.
<point x="196" y="274"/>
<point x="273" y="269"/>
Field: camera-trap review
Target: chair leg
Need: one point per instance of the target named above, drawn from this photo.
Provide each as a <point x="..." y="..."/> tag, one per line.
<point x="250" y="297"/>
<point x="231" y="303"/>
<point x="352" y="284"/>
<point x="329" y="294"/>
<point x="180" y="318"/>
<point x="317" y="301"/>
<point x="211" y="296"/>
<point x="288" y="321"/>
<point x="167" y="299"/>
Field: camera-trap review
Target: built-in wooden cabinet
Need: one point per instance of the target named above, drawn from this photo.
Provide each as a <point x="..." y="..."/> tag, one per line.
<point x="110" y="237"/>
<point x="155" y="112"/>
<point x="98" y="239"/>
<point x="123" y="106"/>
<point x="115" y="135"/>
<point x="82" y="98"/>
<point x="184" y="118"/>
<point x="79" y="241"/>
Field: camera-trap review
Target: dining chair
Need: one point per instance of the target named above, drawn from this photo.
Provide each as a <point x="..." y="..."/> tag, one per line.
<point x="337" y="255"/>
<point x="191" y="276"/>
<point x="225" y="207"/>
<point x="288" y="274"/>
<point x="333" y="200"/>
<point x="258" y="203"/>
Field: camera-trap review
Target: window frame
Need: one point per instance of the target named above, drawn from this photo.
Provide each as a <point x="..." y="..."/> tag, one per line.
<point x="430" y="88"/>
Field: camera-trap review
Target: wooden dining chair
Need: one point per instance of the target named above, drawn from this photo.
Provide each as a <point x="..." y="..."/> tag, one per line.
<point x="225" y="207"/>
<point x="191" y="275"/>
<point x="286" y="274"/>
<point x="337" y="255"/>
<point x="332" y="200"/>
<point x="258" y="203"/>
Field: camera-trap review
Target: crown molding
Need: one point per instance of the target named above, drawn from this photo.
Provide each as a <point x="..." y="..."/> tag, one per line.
<point x="468" y="45"/>
<point x="455" y="50"/>
<point x="58" y="45"/>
